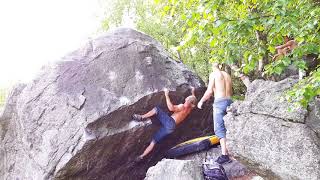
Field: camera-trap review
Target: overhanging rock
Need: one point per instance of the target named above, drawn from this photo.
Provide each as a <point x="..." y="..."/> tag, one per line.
<point x="73" y="121"/>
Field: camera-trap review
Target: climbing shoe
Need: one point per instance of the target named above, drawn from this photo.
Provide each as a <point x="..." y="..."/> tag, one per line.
<point x="223" y="159"/>
<point x="137" y="117"/>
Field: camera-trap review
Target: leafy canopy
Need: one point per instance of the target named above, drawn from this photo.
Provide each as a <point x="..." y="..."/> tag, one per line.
<point x="242" y="33"/>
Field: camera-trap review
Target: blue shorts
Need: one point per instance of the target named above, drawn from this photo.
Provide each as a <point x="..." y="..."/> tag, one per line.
<point x="219" y="111"/>
<point x="167" y="125"/>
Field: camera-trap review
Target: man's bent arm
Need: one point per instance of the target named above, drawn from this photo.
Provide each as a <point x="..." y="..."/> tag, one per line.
<point x="209" y="90"/>
<point x="193" y="91"/>
<point x="168" y="101"/>
<point x="206" y="96"/>
<point x="171" y="107"/>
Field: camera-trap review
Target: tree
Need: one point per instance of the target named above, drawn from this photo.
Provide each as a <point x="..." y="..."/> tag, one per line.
<point x="240" y="33"/>
<point x="245" y="33"/>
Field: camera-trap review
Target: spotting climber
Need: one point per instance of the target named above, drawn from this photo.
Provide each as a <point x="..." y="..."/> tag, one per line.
<point x="220" y="84"/>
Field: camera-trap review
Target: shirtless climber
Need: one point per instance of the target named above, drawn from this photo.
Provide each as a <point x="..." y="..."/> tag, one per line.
<point x="168" y="123"/>
<point x="288" y="46"/>
<point x="219" y="84"/>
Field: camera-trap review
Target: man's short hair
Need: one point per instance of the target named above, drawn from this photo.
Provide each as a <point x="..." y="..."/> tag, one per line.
<point x="193" y="100"/>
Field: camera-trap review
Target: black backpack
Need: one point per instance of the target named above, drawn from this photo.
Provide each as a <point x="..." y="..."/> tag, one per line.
<point x="213" y="171"/>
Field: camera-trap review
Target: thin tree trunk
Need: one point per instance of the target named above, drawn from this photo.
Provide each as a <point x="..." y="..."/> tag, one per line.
<point x="262" y="37"/>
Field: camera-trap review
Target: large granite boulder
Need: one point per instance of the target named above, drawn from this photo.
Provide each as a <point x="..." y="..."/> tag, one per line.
<point x="235" y="169"/>
<point x="189" y="167"/>
<point x="74" y="120"/>
<point x="267" y="135"/>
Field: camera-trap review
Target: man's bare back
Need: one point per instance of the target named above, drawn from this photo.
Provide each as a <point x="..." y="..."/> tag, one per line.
<point x="222" y="86"/>
<point x="181" y="111"/>
<point x="181" y="115"/>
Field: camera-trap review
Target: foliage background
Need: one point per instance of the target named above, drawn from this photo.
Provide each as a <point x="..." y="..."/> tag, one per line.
<point x="242" y="33"/>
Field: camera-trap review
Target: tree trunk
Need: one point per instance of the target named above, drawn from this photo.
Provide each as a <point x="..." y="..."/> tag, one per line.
<point x="227" y="69"/>
<point x="262" y="38"/>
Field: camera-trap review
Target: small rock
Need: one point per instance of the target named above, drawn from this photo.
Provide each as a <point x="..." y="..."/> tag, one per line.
<point x="171" y="169"/>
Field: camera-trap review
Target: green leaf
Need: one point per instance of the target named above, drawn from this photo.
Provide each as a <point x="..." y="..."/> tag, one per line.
<point x="166" y="8"/>
<point x="213" y="42"/>
<point x="241" y="32"/>
<point x="272" y="49"/>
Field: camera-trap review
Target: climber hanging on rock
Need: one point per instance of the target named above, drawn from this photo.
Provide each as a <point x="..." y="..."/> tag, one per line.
<point x="220" y="84"/>
<point x="168" y="123"/>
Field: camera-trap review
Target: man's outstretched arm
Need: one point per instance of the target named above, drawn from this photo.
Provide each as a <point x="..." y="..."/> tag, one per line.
<point x="193" y="91"/>
<point x="208" y="92"/>
<point x="170" y="106"/>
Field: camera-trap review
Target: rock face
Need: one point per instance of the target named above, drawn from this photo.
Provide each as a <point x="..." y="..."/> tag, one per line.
<point x="235" y="169"/>
<point x="263" y="132"/>
<point x="190" y="167"/>
<point x="73" y="121"/>
<point x="171" y="169"/>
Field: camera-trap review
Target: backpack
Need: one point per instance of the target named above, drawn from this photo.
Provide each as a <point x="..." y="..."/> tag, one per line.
<point x="213" y="171"/>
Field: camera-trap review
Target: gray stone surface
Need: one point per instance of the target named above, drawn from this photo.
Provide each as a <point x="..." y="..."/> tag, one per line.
<point x="265" y="97"/>
<point x="9" y="110"/>
<point x="313" y="118"/>
<point x="189" y="167"/>
<point x="233" y="169"/>
<point x="269" y="137"/>
<point x="8" y="114"/>
<point x="73" y="121"/>
<point x="172" y="169"/>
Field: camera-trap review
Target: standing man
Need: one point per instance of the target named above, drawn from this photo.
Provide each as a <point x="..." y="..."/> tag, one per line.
<point x="219" y="84"/>
<point x="168" y="123"/>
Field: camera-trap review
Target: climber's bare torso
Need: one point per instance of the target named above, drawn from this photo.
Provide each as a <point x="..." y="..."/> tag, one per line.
<point x="222" y="86"/>
<point x="181" y="113"/>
